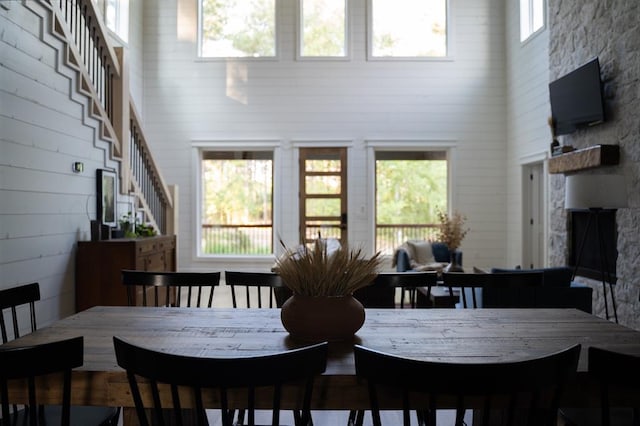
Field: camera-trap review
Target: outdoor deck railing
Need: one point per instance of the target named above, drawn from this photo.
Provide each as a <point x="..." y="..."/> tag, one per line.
<point x="258" y="239"/>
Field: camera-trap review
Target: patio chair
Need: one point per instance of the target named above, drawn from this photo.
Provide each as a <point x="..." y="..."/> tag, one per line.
<point x="529" y="389"/>
<point x="170" y="288"/>
<point x="219" y="375"/>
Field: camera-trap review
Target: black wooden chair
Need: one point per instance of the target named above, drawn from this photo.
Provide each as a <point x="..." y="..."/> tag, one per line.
<point x="529" y="389"/>
<point x="30" y="362"/>
<point x="465" y="281"/>
<point x="254" y="283"/>
<point x="219" y="375"/>
<point x="381" y="294"/>
<point x="499" y="290"/>
<point x="614" y="372"/>
<point x="12" y="300"/>
<point x="170" y="288"/>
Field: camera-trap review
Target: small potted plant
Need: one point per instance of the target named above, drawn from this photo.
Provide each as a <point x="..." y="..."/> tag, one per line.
<point x="128" y="225"/>
<point x="322" y="307"/>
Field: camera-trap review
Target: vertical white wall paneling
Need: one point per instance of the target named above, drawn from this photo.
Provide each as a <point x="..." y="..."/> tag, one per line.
<point x="528" y="134"/>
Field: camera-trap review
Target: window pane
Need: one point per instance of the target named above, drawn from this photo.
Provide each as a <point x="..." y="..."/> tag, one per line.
<point x="240" y="28"/>
<point x="323" y="27"/>
<point x="538" y="15"/>
<point x="322" y="184"/>
<point x="116" y="17"/>
<point x="237" y="203"/>
<point x="323" y="207"/>
<point x="531" y="17"/>
<point x="322" y="166"/>
<point x="417" y="28"/>
<point x="408" y="193"/>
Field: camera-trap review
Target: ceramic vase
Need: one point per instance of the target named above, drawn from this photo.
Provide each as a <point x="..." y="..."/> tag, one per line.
<point x="453" y="266"/>
<point x="322" y="318"/>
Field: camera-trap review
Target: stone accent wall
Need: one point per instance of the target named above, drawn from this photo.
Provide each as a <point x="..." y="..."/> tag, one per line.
<point x="610" y="30"/>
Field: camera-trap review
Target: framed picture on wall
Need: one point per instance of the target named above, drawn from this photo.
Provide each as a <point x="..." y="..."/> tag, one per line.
<point x="106" y="190"/>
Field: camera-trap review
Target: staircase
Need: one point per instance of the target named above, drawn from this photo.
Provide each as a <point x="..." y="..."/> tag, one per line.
<point x="101" y="72"/>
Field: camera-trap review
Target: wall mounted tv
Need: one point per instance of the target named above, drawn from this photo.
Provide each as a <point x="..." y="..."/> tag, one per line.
<point x="576" y="99"/>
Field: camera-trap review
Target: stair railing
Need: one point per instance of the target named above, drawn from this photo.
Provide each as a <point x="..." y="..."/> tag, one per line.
<point x="103" y="78"/>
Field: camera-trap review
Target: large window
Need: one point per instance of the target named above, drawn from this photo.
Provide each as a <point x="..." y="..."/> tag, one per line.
<point x="531" y="17"/>
<point x="410" y="188"/>
<point x="409" y="29"/>
<point x="323" y="28"/>
<point x="237" y="203"/>
<point x="237" y="28"/>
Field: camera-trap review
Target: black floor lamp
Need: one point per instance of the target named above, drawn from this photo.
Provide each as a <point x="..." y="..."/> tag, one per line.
<point x="595" y="193"/>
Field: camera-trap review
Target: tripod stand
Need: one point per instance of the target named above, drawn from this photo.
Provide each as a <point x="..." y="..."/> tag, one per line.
<point x="605" y="274"/>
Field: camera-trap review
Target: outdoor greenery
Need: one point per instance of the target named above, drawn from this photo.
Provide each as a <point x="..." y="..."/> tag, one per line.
<point x="237" y="193"/>
<point x="410" y="191"/>
<point x="247" y="28"/>
<point x="238" y="198"/>
<point x="238" y="28"/>
<point x="323" y="28"/>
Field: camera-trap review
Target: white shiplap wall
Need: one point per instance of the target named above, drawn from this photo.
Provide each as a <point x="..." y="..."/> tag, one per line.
<point x="44" y="207"/>
<point x="461" y="100"/>
<point x="528" y="135"/>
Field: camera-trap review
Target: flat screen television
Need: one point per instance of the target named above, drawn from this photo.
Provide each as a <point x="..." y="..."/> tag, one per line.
<point x="577" y="99"/>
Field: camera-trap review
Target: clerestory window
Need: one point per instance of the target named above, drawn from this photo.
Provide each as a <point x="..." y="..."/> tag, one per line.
<point x="237" y="28"/>
<point x="409" y="29"/>
<point x="322" y="29"/>
<point x="532" y="18"/>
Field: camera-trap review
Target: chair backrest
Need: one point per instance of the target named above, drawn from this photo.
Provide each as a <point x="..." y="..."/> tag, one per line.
<point x="219" y="375"/>
<point x="463" y="280"/>
<point x="11" y="299"/>
<point x="254" y="283"/>
<point x="499" y="290"/>
<point x="30" y="362"/>
<point x="381" y="293"/>
<point x="512" y="290"/>
<point x="170" y="288"/>
<point x="532" y="384"/>
<point x="614" y="370"/>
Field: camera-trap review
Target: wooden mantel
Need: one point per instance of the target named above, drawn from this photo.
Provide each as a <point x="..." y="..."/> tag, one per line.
<point x="586" y="158"/>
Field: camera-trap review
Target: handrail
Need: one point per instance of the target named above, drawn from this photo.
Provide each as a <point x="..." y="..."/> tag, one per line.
<point x="146" y="180"/>
<point x="77" y="23"/>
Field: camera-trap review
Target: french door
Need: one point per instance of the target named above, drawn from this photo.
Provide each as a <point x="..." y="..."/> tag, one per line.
<point x="323" y="194"/>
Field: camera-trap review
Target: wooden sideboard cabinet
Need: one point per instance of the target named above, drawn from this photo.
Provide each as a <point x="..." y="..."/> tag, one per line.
<point x="99" y="265"/>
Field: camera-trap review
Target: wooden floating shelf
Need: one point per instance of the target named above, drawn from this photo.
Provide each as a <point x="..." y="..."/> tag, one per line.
<point x="586" y="158"/>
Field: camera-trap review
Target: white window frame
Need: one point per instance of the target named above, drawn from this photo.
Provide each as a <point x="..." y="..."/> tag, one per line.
<point x="230" y="144"/>
<point x="528" y="27"/>
<point x="448" y="45"/>
<point x="276" y="41"/>
<point x="449" y="146"/>
<point x="121" y="10"/>
<point x="300" y="33"/>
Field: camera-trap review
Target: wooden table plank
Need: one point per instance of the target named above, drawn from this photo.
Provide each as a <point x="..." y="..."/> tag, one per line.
<point x="457" y="335"/>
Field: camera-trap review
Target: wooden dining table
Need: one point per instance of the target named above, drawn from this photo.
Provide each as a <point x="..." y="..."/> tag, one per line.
<point x="456" y="335"/>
